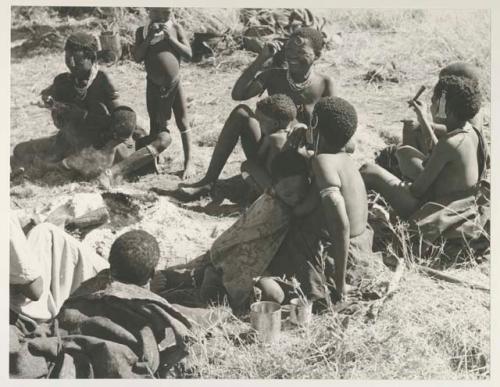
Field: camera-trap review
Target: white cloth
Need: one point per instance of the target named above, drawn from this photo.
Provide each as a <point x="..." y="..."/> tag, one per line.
<point x="62" y="261"/>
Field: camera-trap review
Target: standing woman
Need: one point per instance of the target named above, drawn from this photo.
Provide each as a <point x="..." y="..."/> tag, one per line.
<point x="299" y="81"/>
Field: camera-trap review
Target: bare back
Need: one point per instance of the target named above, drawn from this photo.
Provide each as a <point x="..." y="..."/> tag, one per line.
<point x="339" y="170"/>
<point x="461" y="172"/>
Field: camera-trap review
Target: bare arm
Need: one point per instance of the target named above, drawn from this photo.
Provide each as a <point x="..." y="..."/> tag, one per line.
<point x="181" y="43"/>
<point x="141" y="45"/>
<point x="328" y="183"/>
<point x="246" y="86"/>
<point x="425" y="123"/>
<point x="440" y="156"/>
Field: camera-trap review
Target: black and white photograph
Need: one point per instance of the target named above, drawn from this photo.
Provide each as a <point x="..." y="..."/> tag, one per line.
<point x="250" y="193"/>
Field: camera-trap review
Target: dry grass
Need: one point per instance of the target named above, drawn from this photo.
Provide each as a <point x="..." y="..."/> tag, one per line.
<point x="428" y="329"/>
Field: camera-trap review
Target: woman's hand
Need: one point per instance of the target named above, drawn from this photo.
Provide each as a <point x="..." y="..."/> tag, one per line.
<point x="270" y="49"/>
<point x="420" y="109"/>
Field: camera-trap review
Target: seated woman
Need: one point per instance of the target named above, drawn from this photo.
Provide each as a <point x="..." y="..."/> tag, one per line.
<point x="299" y="81"/>
<point x="457" y="160"/>
<point x="285" y="231"/>
<point x="398" y="159"/>
<point x="83" y="103"/>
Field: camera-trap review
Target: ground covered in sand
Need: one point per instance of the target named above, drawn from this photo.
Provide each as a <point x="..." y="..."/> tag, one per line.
<point x="428" y="329"/>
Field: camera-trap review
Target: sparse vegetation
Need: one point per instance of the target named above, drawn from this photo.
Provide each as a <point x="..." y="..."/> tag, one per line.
<point x="428" y="328"/>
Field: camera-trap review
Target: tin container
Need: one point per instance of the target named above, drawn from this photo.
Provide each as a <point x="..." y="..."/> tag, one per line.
<point x="265" y="318"/>
<point x="300" y="312"/>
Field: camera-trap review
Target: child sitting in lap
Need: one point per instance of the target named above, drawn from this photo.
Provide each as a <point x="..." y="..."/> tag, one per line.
<point x="337" y="220"/>
<point x="275" y="115"/>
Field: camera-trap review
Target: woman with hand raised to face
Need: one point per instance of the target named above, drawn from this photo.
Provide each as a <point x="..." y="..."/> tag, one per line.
<point x="299" y="81"/>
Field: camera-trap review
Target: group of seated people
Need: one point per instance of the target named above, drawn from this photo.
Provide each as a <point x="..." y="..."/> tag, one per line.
<point x="310" y="221"/>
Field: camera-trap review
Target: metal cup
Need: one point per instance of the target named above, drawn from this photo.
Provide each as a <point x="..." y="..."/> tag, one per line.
<point x="300" y="312"/>
<point x="265" y="318"/>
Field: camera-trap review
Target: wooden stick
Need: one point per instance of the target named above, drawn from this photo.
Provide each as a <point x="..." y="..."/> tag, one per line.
<point x="448" y="278"/>
<point x="419" y="93"/>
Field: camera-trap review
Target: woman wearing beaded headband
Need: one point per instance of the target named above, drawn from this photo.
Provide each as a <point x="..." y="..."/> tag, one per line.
<point x="298" y="81"/>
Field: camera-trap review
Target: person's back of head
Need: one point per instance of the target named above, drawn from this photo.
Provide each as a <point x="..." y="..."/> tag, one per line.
<point x="133" y="257"/>
<point x="336" y="121"/>
<point x="460" y="69"/>
<point x="462" y="96"/>
<point x="279" y="108"/>
<point x="123" y="122"/>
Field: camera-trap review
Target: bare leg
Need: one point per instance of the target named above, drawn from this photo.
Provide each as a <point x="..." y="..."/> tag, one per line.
<point x="410" y="161"/>
<point x="260" y="178"/>
<point x="412" y="134"/>
<point x="135" y="161"/>
<point x="389" y="186"/>
<point x="240" y="124"/>
<point x="179" y="108"/>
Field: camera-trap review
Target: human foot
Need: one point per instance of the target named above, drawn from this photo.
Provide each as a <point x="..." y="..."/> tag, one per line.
<point x="193" y="192"/>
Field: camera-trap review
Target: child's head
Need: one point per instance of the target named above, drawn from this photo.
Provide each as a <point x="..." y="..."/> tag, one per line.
<point x="159" y="15"/>
<point x="456" y="99"/>
<point x="275" y="112"/>
<point x="302" y="48"/>
<point x="290" y="174"/>
<point x="123" y="122"/>
<point x="80" y="53"/>
<point x="133" y="257"/>
<point x="335" y="121"/>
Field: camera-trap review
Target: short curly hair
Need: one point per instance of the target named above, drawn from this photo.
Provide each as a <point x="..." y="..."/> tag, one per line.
<point x="313" y="35"/>
<point x="123" y="121"/>
<point x="279" y="107"/>
<point x="133" y="257"/>
<point x="463" y="96"/>
<point x="337" y="120"/>
<point x="460" y="69"/>
<point x="82" y="41"/>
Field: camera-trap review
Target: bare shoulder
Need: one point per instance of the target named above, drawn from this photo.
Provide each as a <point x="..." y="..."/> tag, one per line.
<point x="452" y="141"/>
<point x="326" y="169"/>
<point x="328" y="85"/>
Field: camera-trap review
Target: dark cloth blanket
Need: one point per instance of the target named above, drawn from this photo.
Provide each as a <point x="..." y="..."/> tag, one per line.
<point x="107" y="329"/>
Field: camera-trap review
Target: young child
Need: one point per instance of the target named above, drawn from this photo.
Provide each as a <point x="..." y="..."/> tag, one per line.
<point x="275" y="115"/>
<point x="457" y="159"/>
<point x="338" y="223"/>
<point x="92" y="160"/>
<point x="161" y="44"/>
